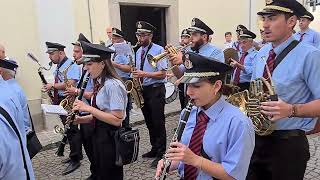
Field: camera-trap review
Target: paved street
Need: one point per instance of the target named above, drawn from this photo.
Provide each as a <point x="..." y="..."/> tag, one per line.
<point x="47" y="166"/>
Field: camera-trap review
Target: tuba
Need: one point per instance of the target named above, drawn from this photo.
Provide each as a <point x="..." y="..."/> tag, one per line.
<point x="134" y="86"/>
<point x="249" y="101"/>
<point x="68" y="101"/>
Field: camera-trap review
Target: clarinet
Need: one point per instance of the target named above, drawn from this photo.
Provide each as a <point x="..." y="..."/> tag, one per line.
<point x="44" y="81"/>
<point x="176" y="138"/>
<point x="70" y="119"/>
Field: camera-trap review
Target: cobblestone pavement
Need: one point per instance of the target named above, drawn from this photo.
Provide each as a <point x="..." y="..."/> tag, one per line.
<point x="47" y="166"/>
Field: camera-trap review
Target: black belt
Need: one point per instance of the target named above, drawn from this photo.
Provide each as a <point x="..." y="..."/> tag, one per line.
<point x="288" y="133"/>
<point x="155" y="85"/>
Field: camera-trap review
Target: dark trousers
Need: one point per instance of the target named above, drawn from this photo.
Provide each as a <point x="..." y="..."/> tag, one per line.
<point x="74" y="138"/>
<point x="104" y="153"/>
<point x="86" y="131"/>
<point x="244" y="86"/>
<point x="182" y="96"/>
<point x="278" y="157"/>
<point x="153" y="112"/>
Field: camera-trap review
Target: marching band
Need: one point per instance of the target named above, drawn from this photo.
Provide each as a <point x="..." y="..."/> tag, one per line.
<point x="255" y="133"/>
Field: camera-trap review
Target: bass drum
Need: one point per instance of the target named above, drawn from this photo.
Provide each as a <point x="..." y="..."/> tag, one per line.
<point x="171" y="92"/>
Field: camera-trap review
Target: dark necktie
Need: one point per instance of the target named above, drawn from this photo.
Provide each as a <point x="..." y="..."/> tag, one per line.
<point x="301" y="37"/>
<point x="195" y="145"/>
<point x="55" y="91"/>
<point x="142" y="58"/>
<point x="269" y="64"/>
<point x="238" y="70"/>
<point x="96" y="89"/>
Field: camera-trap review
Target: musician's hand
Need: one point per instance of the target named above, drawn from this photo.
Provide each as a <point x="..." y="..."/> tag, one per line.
<point x="139" y="74"/>
<point x="234" y="63"/>
<point x="178" y="81"/>
<point x="176" y="59"/>
<point x="78" y="120"/>
<point x="160" y="167"/>
<point x="81" y="106"/>
<point x="47" y="87"/>
<point x="276" y="110"/>
<point x="169" y="75"/>
<point x="71" y="91"/>
<point x="180" y="152"/>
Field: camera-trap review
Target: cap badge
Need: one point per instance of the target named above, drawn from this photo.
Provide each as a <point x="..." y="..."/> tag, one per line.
<point x="269" y="2"/>
<point x="193" y="22"/>
<point x="187" y="63"/>
<point x="139" y="25"/>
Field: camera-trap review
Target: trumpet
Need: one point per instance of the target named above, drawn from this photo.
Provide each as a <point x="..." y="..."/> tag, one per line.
<point x="153" y="60"/>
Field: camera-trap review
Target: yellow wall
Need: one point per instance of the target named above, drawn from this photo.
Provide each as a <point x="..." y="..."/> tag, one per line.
<point x="18" y="33"/>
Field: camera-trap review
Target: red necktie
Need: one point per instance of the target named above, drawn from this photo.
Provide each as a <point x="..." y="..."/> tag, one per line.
<point x="238" y="46"/>
<point x="238" y="70"/>
<point x="301" y="37"/>
<point x="55" y="91"/>
<point x="270" y="64"/>
<point x="195" y="145"/>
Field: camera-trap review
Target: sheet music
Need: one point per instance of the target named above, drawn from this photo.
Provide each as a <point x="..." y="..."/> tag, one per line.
<point x="53" y="109"/>
<point x="122" y="48"/>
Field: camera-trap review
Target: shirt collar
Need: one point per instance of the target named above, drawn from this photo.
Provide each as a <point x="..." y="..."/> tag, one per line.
<point x="305" y="32"/>
<point x="215" y="109"/>
<point x="250" y="50"/>
<point x="283" y="45"/>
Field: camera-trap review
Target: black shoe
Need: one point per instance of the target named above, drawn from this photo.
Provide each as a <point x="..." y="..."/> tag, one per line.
<point x="150" y="154"/>
<point x="65" y="161"/>
<point x="154" y="163"/>
<point x="71" y="167"/>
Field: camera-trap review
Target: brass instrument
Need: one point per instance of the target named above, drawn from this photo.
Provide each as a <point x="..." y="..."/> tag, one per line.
<point x="249" y="101"/>
<point x="134" y="86"/>
<point x="67" y="102"/>
<point x="153" y="60"/>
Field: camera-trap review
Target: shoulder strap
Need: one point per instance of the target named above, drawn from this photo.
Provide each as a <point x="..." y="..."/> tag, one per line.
<point x="30" y="118"/>
<point x="285" y="52"/>
<point x="14" y="127"/>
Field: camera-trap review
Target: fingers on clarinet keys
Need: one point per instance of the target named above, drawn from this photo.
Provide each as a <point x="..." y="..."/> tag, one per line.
<point x="160" y="167"/>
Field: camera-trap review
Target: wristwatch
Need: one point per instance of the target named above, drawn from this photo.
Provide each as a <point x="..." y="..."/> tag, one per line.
<point x="293" y="111"/>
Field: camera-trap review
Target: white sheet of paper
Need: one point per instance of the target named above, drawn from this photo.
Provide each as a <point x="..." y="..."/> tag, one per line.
<point x="53" y="109"/>
<point x="122" y="48"/>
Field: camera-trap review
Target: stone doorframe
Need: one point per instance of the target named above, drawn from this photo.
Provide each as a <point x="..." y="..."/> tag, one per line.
<point x="172" y="13"/>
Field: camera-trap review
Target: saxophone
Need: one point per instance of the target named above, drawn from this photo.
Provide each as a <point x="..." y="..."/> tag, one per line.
<point x="176" y="138"/>
<point x="249" y="101"/>
<point x="134" y="86"/>
<point x="68" y="101"/>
